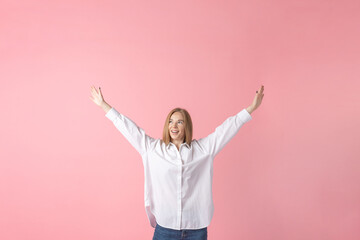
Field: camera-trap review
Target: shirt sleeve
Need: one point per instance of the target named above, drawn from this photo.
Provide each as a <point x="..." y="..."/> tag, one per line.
<point x="134" y="134"/>
<point x="217" y="140"/>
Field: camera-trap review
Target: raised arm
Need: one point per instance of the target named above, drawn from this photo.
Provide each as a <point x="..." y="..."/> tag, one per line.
<point x="217" y="140"/>
<point x="133" y="133"/>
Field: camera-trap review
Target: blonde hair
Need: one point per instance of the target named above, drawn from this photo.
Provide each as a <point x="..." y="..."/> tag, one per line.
<point x="187" y="122"/>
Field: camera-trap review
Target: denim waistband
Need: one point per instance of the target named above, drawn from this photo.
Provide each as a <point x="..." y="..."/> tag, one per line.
<point x="175" y="230"/>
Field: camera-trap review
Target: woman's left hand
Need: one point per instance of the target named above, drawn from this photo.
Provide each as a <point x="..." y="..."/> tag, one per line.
<point x="257" y="100"/>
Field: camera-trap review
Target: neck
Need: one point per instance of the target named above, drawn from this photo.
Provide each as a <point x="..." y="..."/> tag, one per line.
<point x="177" y="143"/>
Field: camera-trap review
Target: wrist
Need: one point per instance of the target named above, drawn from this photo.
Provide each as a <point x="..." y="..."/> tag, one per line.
<point x="105" y="106"/>
<point x="250" y="109"/>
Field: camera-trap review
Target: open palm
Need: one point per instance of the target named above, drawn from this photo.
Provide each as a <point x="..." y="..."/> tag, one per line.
<point x="258" y="98"/>
<point x="96" y="96"/>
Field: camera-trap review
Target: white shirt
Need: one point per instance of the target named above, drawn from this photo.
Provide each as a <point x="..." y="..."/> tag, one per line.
<point x="178" y="183"/>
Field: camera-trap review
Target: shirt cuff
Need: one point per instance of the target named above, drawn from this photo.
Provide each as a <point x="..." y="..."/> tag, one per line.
<point x="112" y="114"/>
<point x="244" y="116"/>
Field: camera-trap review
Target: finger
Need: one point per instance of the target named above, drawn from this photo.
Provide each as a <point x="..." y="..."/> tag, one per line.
<point x="93" y="92"/>
<point x="95" y="95"/>
<point x="262" y="89"/>
<point x="100" y="91"/>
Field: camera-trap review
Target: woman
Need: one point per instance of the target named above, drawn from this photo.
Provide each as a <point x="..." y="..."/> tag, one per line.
<point x="178" y="169"/>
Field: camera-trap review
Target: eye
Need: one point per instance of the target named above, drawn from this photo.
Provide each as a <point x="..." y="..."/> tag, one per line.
<point x="180" y="122"/>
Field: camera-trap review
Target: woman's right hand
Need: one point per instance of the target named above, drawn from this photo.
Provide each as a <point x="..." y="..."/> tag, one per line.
<point x="97" y="96"/>
<point x="98" y="99"/>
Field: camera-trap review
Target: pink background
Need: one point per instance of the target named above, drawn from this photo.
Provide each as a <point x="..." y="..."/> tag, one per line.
<point x="292" y="172"/>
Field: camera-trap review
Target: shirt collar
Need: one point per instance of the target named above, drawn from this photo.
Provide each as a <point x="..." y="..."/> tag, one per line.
<point x="170" y="143"/>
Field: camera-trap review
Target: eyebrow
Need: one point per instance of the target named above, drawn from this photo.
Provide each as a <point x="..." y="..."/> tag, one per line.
<point x="178" y="119"/>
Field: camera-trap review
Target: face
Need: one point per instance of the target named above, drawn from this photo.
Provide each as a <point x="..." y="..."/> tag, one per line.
<point x="177" y="126"/>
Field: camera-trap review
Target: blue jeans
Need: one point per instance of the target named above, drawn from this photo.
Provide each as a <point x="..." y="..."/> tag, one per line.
<point x="162" y="233"/>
